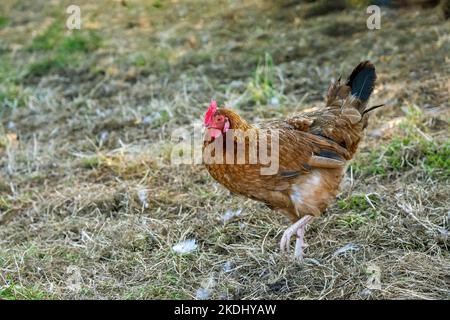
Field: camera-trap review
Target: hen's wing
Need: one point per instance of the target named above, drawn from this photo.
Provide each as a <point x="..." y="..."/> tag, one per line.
<point x="300" y="151"/>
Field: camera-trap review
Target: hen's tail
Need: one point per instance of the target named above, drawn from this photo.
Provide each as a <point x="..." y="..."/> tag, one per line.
<point x="362" y="81"/>
<point x="355" y="92"/>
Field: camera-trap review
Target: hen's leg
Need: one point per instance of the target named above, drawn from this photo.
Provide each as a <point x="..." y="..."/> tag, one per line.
<point x="298" y="229"/>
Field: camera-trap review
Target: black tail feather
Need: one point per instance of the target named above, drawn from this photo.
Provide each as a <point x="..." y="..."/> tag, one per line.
<point x="372" y="108"/>
<point x="362" y="80"/>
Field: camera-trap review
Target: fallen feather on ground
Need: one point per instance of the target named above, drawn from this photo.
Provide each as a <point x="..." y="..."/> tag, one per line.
<point x="202" y="294"/>
<point x="229" y="214"/>
<point x="347" y="247"/>
<point x="142" y="194"/>
<point x="185" y="246"/>
<point x="228" y="266"/>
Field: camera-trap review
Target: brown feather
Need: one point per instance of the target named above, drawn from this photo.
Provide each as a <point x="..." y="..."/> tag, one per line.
<point x="314" y="148"/>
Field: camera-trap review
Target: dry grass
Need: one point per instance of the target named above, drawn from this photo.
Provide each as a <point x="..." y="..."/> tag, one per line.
<point x="85" y="125"/>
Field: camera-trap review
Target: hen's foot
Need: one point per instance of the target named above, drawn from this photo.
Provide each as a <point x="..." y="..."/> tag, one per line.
<point x="297" y="229"/>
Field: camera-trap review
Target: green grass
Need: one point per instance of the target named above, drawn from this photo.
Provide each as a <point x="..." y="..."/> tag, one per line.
<point x="323" y="7"/>
<point x="437" y="159"/>
<point x="54" y="38"/>
<point x="369" y="164"/>
<point x="18" y="292"/>
<point x="72" y="257"/>
<point x="403" y="153"/>
<point x="5" y="69"/>
<point x="140" y="61"/>
<point x="91" y="162"/>
<point x="5" y="204"/>
<point x="360" y="210"/>
<point x="407" y="149"/>
<point x="357" y="202"/>
<point x="62" y="51"/>
<point x="79" y="42"/>
<point x="158" y="4"/>
<point x="160" y="118"/>
<point x="47" y="65"/>
<point x="49" y="39"/>
<point x="261" y="87"/>
<point x="156" y="59"/>
<point x="4" y="187"/>
<point x="352" y="220"/>
<point x="9" y="74"/>
<point x="430" y="155"/>
<point x="12" y="93"/>
<point x="4" y="21"/>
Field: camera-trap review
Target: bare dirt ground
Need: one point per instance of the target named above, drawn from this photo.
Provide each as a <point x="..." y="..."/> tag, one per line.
<point x="90" y="205"/>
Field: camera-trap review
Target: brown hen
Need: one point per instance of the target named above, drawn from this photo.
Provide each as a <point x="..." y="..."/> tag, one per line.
<point x="310" y="152"/>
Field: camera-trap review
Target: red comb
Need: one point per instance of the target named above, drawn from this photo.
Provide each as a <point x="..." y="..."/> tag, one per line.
<point x="211" y="110"/>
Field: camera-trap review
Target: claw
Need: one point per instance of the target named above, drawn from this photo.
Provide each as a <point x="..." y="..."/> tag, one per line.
<point x="297" y="228"/>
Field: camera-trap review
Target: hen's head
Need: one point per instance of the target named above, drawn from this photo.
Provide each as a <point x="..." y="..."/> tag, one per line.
<point x="216" y="123"/>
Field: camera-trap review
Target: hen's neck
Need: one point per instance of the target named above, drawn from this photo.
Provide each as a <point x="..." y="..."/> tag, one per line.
<point x="236" y="122"/>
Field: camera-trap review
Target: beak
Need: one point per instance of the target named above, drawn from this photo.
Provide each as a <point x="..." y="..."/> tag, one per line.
<point x="212" y="132"/>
